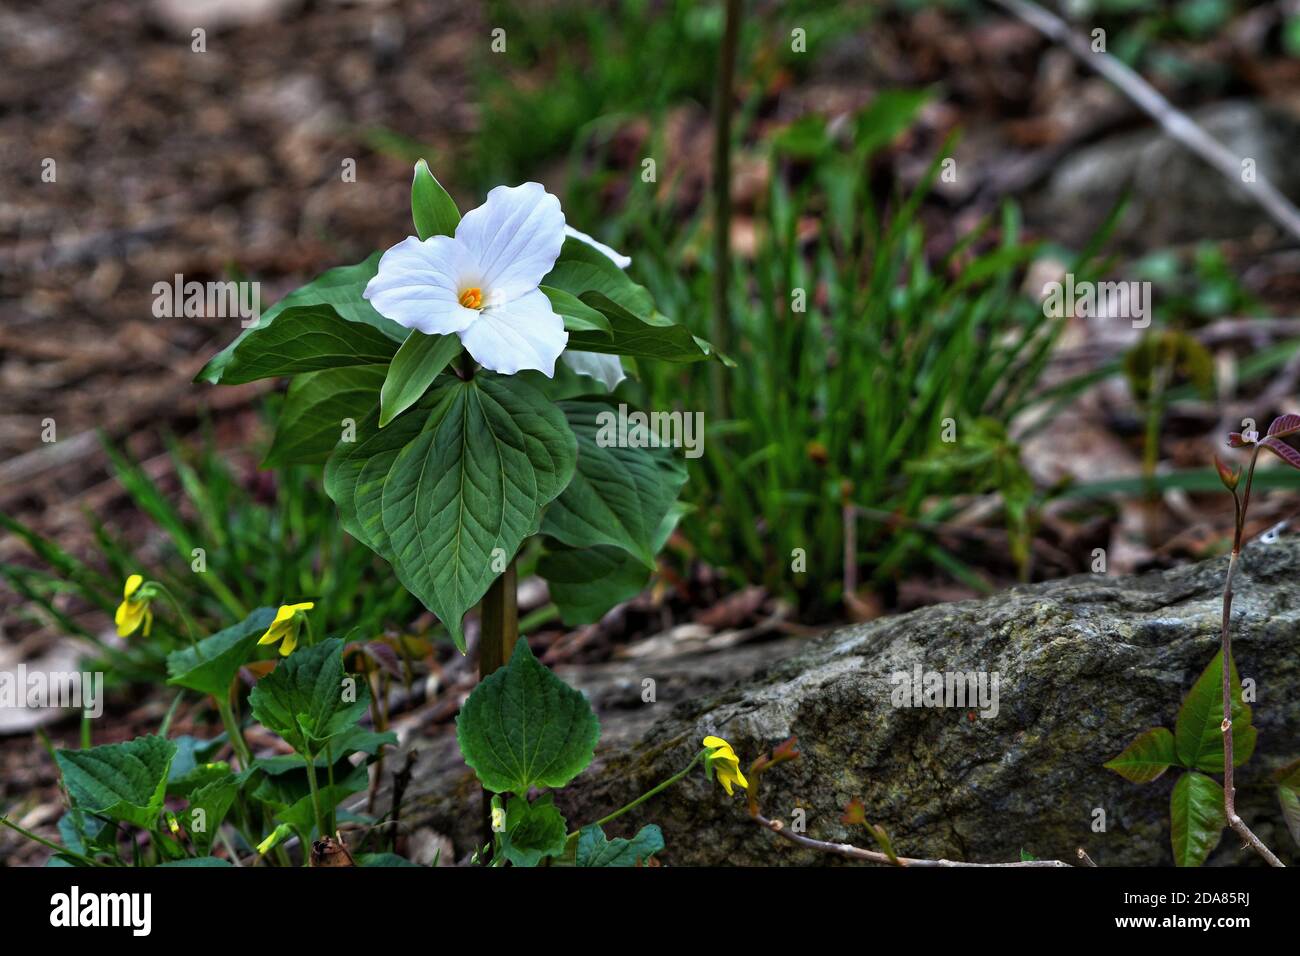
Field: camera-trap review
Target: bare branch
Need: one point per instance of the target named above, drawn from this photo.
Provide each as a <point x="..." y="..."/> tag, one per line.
<point x="1176" y="123"/>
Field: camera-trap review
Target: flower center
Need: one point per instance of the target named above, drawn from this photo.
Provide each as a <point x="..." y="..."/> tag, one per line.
<point x="472" y="298"/>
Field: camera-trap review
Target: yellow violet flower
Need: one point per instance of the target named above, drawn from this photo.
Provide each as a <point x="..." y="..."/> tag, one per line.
<point x="723" y="761"/>
<point x="134" y="609"/>
<point x="286" y="624"/>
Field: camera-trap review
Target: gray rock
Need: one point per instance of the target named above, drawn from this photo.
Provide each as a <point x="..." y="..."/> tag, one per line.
<point x="1174" y="196"/>
<point x="1085" y="664"/>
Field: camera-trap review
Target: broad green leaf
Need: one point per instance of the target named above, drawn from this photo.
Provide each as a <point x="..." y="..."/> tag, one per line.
<point x="126" y="781"/>
<point x="356" y="739"/>
<point x="210" y="667"/>
<point x="306" y="699"/>
<point x="523" y="727"/>
<point x="577" y="315"/>
<point x="312" y="420"/>
<point x="595" y="850"/>
<point x="369" y="458"/>
<point x="301" y="812"/>
<point x="1147" y="757"/>
<point x="463" y="495"/>
<point x="214" y="801"/>
<point x="339" y="288"/>
<point x="533" y="830"/>
<point x="1290" y="803"/>
<point x="192" y="765"/>
<point x="642" y="336"/>
<point x="1197" y="735"/>
<point x="619" y="496"/>
<point x="1196" y="817"/>
<point x="582" y="269"/>
<point x="417" y="363"/>
<point x="305" y="338"/>
<point x="432" y="209"/>
<point x="585" y="583"/>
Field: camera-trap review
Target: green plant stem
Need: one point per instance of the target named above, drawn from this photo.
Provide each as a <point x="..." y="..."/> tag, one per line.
<point x="657" y="789"/>
<point x="89" y="861"/>
<point x="236" y="735"/>
<point x="1229" y="791"/>
<point x="329" y="776"/>
<point x="498" y="632"/>
<point x="180" y="612"/>
<point x="315" y="797"/>
<point x="722" y="106"/>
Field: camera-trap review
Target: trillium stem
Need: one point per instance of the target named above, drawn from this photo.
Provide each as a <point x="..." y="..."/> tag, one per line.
<point x="1229" y="790"/>
<point x="498" y="632"/>
<point x="647" y="795"/>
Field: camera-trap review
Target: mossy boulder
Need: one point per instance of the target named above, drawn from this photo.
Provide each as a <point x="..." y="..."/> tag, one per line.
<point x="1083" y="665"/>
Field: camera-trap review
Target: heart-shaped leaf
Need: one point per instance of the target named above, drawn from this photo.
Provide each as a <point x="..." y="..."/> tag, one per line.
<point x="210" y="667"/>
<point x="1147" y="757"/>
<point x="1197" y="818"/>
<point x="208" y="807"/>
<point x="533" y="830"/>
<point x="126" y="781"/>
<point x="523" y="727"/>
<point x="595" y="850"/>
<point x="308" y="698"/>
<point x="312" y="421"/>
<point x="1197" y="734"/>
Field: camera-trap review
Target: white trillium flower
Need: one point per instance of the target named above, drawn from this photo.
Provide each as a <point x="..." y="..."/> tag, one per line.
<point x="606" y="369"/>
<point x="482" y="283"/>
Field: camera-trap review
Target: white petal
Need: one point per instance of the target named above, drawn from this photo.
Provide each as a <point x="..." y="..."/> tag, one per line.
<point x="514" y="237"/>
<point x="418" y="285"/>
<point x="525" y="333"/>
<point x="606" y="369"/>
<point x="618" y="258"/>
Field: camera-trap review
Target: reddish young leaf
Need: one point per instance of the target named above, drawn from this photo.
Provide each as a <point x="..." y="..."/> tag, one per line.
<point x="1235" y="440"/>
<point x="1284" y="425"/>
<point x="1282" y="450"/>
<point x="855" y="812"/>
<point x="1229" y="476"/>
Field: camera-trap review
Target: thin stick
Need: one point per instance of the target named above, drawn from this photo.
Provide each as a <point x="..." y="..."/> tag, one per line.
<point x="1176" y="123"/>
<point x="872" y="856"/>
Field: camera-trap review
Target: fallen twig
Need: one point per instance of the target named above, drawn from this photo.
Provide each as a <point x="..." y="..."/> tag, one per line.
<point x="1176" y="123"/>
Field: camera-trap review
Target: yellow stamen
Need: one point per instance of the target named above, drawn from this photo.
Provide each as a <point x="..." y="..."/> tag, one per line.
<point x="472" y="298"/>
